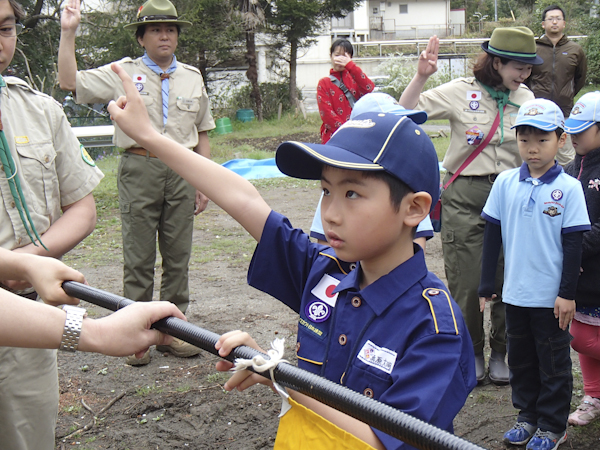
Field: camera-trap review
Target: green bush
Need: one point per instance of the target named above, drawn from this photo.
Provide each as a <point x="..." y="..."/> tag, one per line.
<point x="272" y="95"/>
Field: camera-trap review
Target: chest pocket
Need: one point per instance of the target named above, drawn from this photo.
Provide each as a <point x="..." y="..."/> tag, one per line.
<point x="187" y="113"/>
<point x="367" y="380"/>
<point x="472" y="118"/>
<point x="38" y="176"/>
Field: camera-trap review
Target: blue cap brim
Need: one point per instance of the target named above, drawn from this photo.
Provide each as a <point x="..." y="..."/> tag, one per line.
<point x="545" y="126"/>
<point x="573" y="126"/>
<point x="417" y="117"/>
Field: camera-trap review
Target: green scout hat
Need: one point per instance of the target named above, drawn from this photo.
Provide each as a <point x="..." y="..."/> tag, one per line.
<point x="157" y="11"/>
<point x="515" y="43"/>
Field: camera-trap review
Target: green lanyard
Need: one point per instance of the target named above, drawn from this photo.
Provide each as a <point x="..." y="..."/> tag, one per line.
<point x="10" y="170"/>
<point x="501" y="98"/>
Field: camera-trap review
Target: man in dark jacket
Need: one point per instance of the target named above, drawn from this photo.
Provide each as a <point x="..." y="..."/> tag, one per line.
<point x="562" y="74"/>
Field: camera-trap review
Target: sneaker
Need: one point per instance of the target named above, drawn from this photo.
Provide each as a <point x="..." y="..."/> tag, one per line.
<point x="179" y="348"/>
<point x="479" y="367"/>
<point x="587" y="412"/>
<point x="133" y="361"/>
<point x="499" y="373"/>
<point x="546" y="440"/>
<point x="519" y="434"/>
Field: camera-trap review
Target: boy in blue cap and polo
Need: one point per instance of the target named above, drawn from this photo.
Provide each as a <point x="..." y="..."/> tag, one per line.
<point x="537" y="214"/>
<point x="371" y="317"/>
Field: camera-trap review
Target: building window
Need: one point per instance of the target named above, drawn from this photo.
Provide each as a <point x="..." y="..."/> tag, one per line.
<point x="375" y="11"/>
<point x="403" y="9"/>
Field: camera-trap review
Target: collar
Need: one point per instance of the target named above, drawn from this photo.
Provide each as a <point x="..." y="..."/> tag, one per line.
<point x="389" y="288"/>
<point x="156" y="68"/>
<point x="548" y="177"/>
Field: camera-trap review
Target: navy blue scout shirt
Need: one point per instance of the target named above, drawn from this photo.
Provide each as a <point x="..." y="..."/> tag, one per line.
<point x="402" y="340"/>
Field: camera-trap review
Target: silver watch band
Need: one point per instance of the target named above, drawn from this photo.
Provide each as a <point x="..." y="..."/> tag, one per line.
<point x="72" y="330"/>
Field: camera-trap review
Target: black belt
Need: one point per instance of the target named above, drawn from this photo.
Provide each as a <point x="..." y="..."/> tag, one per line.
<point x="490" y="178"/>
<point x="31" y="295"/>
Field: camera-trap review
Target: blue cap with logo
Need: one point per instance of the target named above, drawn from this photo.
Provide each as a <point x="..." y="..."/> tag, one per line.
<point x="585" y="113"/>
<point x="385" y="103"/>
<point x="540" y="113"/>
<point x="369" y="142"/>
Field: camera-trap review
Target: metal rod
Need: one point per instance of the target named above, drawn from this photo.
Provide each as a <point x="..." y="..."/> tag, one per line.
<point x="391" y="421"/>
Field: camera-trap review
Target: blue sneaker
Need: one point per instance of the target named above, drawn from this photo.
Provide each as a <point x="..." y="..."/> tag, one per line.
<point x="546" y="440"/>
<point x="519" y="434"/>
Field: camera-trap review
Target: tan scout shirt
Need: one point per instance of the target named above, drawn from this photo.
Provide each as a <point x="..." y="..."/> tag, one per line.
<point x="189" y="107"/>
<point x="51" y="163"/>
<point x="471" y="111"/>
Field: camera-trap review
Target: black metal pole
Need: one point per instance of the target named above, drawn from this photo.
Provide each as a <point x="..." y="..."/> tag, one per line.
<point x="391" y="421"/>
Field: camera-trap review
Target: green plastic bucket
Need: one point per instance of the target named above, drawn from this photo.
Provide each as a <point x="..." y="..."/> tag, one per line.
<point x="245" y="115"/>
<point x="223" y="126"/>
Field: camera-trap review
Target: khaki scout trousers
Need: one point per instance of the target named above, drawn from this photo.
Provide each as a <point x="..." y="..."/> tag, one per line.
<point x="462" y="244"/>
<point x="28" y="398"/>
<point x="154" y="199"/>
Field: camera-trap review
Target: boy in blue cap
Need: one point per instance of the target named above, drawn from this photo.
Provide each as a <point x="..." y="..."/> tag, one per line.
<point x="371" y="316"/>
<point x="537" y="214"/>
<point x="382" y="103"/>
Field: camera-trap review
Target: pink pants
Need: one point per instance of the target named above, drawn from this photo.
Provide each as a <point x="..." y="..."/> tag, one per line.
<point x="586" y="342"/>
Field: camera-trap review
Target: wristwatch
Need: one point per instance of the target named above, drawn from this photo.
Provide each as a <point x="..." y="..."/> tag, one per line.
<point x="72" y="330"/>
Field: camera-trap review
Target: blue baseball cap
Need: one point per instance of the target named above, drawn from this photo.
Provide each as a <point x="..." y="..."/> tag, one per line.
<point x="540" y="113"/>
<point x="370" y="141"/>
<point x="585" y="113"/>
<point x="385" y="103"/>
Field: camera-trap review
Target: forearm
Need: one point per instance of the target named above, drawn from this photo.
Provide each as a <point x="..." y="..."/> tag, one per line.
<point x="410" y="96"/>
<point x="77" y="222"/>
<point x="351" y="425"/>
<point x="67" y="63"/>
<point x="203" y="146"/>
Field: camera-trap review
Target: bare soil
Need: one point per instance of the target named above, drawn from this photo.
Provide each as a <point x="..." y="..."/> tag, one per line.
<point x="177" y="403"/>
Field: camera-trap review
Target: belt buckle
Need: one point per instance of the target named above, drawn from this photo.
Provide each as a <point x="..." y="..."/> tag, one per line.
<point x="492" y="177"/>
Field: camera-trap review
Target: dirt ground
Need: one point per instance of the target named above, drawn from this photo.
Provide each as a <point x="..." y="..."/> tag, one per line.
<point x="179" y="403"/>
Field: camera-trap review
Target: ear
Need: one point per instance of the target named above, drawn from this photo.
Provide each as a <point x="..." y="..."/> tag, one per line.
<point x="496" y="63"/>
<point x="140" y="41"/>
<point x="562" y="140"/>
<point x="416" y="206"/>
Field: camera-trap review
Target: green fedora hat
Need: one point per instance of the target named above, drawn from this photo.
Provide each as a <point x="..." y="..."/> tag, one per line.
<point x="515" y="43"/>
<point x="157" y="11"/>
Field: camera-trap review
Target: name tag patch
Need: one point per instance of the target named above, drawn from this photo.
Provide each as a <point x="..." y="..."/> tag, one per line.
<point x="378" y="357"/>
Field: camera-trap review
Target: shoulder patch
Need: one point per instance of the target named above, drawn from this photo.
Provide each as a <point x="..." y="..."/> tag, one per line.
<point x="192" y="68"/>
<point x="442" y="310"/>
<point x="86" y="156"/>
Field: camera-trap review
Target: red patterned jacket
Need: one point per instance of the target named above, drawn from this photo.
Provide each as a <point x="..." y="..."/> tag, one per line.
<point x="333" y="104"/>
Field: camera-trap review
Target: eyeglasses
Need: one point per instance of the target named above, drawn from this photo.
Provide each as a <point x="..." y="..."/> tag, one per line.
<point x="11" y="30"/>
<point x="554" y="19"/>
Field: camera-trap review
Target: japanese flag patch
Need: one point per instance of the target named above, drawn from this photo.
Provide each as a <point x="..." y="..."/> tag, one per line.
<point x="324" y="290"/>
<point x="471" y="95"/>
<point x="378" y="357"/>
<point x="138" y="78"/>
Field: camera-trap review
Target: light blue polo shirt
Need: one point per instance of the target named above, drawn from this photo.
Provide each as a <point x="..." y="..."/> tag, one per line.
<point x="424" y="229"/>
<point x="533" y="214"/>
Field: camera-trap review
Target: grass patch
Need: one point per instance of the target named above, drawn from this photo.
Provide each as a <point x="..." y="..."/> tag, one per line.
<point x="147" y="390"/>
<point x="218" y="377"/>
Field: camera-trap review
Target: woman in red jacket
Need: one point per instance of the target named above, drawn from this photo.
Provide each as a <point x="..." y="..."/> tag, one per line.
<point x="337" y="93"/>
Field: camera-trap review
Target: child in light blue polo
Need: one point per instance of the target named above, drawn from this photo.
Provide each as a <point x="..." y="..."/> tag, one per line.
<point x="537" y="214"/>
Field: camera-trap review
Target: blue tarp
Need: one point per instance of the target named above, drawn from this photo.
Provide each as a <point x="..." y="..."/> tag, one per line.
<point x="251" y="169"/>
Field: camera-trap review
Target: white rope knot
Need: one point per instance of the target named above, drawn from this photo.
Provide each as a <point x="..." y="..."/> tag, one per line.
<point x="260" y="364"/>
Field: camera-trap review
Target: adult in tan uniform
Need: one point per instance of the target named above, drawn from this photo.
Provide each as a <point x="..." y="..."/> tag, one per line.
<point x="471" y="105"/>
<point x="153" y="199"/>
<point x="46" y="183"/>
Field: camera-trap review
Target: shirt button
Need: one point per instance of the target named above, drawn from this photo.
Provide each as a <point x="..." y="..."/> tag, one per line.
<point x="46" y="158"/>
<point x="356" y="302"/>
<point x="368" y="392"/>
<point x="474" y="119"/>
<point x="342" y="339"/>
<point x="19" y="241"/>
<point x="498" y="163"/>
<point x="12" y="204"/>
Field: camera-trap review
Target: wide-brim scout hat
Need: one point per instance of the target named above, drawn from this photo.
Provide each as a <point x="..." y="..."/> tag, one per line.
<point x="540" y="113"/>
<point x="369" y="142"/>
<point x="385" y="103"/>
<point x="515" y="43"/>
<point x="585" y="113"/>
<point x="157" y="11"/>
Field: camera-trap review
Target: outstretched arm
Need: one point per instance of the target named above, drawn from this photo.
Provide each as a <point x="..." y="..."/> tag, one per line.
<point x="67" y="63"/>
<point x="426" y="66"/>
<point x="234" y="194"/>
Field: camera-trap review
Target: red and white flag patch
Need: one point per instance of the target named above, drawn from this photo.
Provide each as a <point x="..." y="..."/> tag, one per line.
<point x="474" y="95"/>
<point x="139" y="78"/>
<point x="324" y="290"/>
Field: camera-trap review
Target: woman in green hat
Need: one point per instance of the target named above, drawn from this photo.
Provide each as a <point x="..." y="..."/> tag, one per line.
<point x="481" y="109"/>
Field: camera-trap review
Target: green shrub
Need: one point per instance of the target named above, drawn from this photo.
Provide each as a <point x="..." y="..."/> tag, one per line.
<point x="272" y="95"/>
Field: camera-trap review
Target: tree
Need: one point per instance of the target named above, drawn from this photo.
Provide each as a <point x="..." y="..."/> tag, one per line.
<point x="298" y="21"/>
<point x="253" y="17"/>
